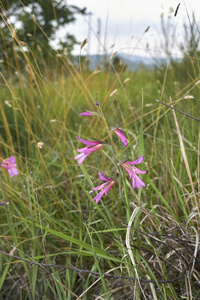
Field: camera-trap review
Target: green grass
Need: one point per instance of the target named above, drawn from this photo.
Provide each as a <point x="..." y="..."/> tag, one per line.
<point x="51" y="219"/>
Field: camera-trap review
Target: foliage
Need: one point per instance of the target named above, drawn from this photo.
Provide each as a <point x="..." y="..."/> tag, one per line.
<point x="37" y="23"/>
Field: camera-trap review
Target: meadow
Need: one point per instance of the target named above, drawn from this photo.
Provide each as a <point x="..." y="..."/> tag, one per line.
<point x="56" y="243"/>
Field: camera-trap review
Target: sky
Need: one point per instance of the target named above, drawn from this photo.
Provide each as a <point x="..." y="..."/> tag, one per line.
<point x="119" y="26"/>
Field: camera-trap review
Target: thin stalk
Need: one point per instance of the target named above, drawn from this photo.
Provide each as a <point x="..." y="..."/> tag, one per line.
<point x="113" y="151"/>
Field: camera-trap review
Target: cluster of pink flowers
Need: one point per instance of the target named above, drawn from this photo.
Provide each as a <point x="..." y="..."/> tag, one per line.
<point x="129" y="166"/>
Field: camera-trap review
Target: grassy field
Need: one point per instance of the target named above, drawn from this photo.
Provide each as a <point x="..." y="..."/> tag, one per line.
<point x="134" y="244"/>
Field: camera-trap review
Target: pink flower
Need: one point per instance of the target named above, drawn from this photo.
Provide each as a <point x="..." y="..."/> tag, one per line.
<point x="133" y="171"/>
<point x="4" y="202"/>
<point x="91" y="147"/>
<point x="87" y="112"/>
<point x="104" y="187"/>
<point x="122" y="136"/>
<point x="10" y="166"/>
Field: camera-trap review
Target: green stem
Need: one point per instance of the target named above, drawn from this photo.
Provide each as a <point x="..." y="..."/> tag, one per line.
<point x="113" y="150"/>
<point x="2" y="188"/>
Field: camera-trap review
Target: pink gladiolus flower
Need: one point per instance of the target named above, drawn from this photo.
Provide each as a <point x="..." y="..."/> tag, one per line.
<point x="91" y="147"/>
<point x="86" y="113"/>
<point x="133" y="171"/>
<point x="122" y="136"/>
<point x="10" y="166"/>
<point x="104" y="187"/>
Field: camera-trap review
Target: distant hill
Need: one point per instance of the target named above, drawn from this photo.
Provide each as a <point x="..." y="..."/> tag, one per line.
<point x="133" y="61"/>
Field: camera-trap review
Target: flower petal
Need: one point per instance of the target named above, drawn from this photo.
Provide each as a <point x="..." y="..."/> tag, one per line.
<point x="94" y="148"/>
<point x="136" y="162"/>
<point x="109" y="187"/>
<point x="127" y="170"/>
<point x="139" y="182"/>
<point x="89" y="143"/>
<point x="81" y="157"/>
<point x="11" y="159"/>
<point x="98" y="197"/>
<point x="102" y="177"/>
<point x="12" y="172"/>
<point x="82" y="149"/>
<point x="100" y="187"/>
<point x="138" y="171"/>
<point x="133" y="183"/>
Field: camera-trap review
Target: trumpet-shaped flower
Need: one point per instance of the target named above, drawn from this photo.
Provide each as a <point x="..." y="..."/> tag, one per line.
<point x="122" y="136"/>
<point x="87" y="112"/>
<point x="104" y="187"/>
<point x="91" y="147"/>
<point x="10" y="165"/>
<point x="133" y="171"/>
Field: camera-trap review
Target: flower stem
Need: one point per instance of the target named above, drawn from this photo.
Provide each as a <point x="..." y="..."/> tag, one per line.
<point x="113" y="150"/>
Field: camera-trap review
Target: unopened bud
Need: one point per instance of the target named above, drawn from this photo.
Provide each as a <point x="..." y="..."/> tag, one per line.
<point x="83" y="43"/>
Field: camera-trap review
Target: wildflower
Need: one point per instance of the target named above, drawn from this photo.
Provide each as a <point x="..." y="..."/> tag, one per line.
<point x="122" y="136"/>
<point x="133" y="171"/>
<point x="91" y="147"/>
<point x="4" y="202"/>
<point x="89" y="113"/>
<point x="40" y="145"/>
<point x="104" y="187"/>
<point x="86" y="113"/>
<point x="10" y="166"/>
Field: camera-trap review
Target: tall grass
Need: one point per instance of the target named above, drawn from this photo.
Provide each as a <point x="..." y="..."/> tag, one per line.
<point x="60" y="244"/>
